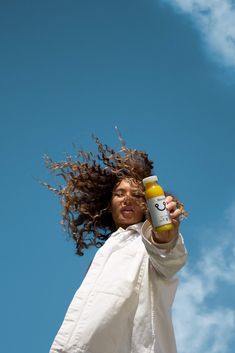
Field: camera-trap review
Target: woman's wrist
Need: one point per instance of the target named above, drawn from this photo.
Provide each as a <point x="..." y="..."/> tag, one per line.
<point x="156" y="239"/>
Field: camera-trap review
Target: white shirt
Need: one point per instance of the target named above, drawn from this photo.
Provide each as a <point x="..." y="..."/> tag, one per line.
<point x="124" y="303"/>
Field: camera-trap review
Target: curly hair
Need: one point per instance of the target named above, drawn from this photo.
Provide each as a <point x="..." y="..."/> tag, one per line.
<point x="89" y="182"/>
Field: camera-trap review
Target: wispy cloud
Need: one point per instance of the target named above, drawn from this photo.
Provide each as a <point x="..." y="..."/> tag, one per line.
<point x="216" y="21"/>
<point x="201" y="326"/>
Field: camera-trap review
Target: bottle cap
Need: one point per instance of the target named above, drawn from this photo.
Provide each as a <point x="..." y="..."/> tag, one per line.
<point x="150" y="179"/>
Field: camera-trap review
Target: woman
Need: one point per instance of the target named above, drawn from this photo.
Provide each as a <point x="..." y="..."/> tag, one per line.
<point x="124" y="303"/>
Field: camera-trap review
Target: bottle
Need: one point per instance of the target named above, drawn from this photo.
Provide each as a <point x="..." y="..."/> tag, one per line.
<point x="156" y="202"/>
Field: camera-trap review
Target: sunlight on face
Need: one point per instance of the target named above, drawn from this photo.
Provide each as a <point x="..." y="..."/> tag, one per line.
<point x="125" y="206"/>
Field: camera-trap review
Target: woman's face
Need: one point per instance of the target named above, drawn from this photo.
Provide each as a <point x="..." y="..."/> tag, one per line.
<point x="125" y="202"/>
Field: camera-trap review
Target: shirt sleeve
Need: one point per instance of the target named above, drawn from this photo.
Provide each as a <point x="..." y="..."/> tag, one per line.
<point x="167" y="258"/>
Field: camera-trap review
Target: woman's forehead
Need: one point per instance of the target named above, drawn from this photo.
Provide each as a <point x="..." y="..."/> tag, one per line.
<point x="128" y="183"/>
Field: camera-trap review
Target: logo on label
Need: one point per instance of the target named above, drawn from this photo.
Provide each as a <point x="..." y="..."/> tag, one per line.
<point x="160" y="207"/>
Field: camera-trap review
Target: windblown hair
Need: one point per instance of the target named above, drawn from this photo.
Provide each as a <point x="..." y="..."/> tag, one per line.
<point x="89" y="182"/>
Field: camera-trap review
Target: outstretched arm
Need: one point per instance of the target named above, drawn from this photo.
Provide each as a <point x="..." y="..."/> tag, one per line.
<point x="166" y="249"/>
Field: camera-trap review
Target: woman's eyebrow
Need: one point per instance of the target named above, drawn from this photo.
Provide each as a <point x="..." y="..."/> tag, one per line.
<point x="121" y="189"/>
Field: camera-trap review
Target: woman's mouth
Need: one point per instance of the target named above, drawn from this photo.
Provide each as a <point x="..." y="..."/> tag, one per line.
<point x="127" y="210"/>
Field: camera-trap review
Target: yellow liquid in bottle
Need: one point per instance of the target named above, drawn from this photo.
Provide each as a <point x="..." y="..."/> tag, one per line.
<point x="152" y="191"/>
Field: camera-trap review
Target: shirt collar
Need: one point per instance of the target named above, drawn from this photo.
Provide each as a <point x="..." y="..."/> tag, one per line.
<point x="136" y="227"/>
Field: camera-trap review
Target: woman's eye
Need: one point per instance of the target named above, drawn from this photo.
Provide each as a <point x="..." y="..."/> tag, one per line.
<point x="118" y="194"/>
<point x="137" y="195"/>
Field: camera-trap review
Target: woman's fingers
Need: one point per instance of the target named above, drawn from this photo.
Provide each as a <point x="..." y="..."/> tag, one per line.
<point x="175" y="212"/>
<point x="169" y="198"/>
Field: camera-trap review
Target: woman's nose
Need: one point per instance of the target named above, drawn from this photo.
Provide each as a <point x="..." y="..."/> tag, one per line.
<point x="127" y="198"/>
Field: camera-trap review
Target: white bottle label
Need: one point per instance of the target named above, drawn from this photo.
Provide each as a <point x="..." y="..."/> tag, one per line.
<point x="158" y="211"/>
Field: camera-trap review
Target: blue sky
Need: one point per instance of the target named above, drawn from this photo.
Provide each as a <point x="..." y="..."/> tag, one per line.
<point x="164" y="73"/>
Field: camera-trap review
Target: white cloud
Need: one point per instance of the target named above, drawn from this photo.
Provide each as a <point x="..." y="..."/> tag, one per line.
<point x="200" y="326"/>
<point x="216" y="21"/>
